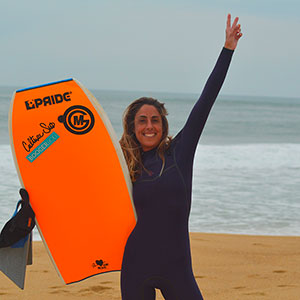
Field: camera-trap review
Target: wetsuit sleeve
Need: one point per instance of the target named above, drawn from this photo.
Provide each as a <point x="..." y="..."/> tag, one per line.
<point x="191" y="132"/>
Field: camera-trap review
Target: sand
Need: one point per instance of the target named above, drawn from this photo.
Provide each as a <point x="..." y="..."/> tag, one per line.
<point x="225" y="266"/>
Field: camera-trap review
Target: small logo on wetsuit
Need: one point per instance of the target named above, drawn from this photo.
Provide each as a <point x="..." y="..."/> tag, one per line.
<point x="100" y="264"/>
<point x="78" y="119"/>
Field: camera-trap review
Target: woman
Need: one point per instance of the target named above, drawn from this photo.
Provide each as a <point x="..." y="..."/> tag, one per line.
<point x="157" y="253"/>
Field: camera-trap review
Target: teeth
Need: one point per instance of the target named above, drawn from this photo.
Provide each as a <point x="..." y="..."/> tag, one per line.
<point x="149" y="134"/>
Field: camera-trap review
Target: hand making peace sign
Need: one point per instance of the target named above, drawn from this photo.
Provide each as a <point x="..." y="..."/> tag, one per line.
<point x="233" y="33"/>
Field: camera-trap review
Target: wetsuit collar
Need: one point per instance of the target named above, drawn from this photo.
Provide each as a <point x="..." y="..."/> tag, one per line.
<point x="149" y="152"/>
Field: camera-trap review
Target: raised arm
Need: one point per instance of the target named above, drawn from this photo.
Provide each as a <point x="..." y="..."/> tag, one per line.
<point x="193" y="128"/>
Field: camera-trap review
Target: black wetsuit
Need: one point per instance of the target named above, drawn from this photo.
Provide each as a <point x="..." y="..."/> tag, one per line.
<point x="157" y="253"/>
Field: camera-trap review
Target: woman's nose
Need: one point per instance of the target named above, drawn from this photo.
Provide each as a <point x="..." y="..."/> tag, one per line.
<point x="149" y="124"/>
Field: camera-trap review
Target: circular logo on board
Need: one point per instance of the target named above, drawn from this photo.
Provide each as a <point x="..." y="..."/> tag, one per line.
<point x="78" y="119"/>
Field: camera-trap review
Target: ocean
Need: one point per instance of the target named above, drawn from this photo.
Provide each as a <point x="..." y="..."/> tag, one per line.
<point x="247" y="164"/>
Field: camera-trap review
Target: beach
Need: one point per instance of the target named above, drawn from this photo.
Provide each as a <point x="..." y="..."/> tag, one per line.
<point x="225" y="266"/>
<point x="245" y="183"/>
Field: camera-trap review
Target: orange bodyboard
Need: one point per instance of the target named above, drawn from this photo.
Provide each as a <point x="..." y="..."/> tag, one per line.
<point x="70" y="162"/>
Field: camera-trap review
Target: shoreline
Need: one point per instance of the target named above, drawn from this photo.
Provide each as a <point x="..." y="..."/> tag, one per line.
<point x="226" y="266"/>
<point x="215" y="233"/>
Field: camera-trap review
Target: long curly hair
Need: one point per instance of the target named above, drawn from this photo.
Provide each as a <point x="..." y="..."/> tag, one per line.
<point x="131" y="147"/>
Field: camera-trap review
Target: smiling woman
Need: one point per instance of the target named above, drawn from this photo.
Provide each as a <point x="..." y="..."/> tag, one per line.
<point x="157" y="252"/>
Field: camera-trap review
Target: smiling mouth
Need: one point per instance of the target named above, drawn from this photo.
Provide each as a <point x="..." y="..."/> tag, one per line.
<point x="149" y="134"/>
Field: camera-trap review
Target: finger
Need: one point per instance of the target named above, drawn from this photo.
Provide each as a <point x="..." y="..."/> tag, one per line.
<point x="235" y="22"/>
<point x="239" y="36"/>
<point x="237" y="28"/>
<point x="228" y="20"/>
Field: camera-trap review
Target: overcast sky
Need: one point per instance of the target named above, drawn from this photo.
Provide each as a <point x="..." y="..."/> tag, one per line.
<point x="150" y="45"/>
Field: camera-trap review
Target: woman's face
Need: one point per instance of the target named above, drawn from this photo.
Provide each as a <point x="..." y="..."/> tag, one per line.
<point x="148" y="127"/>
